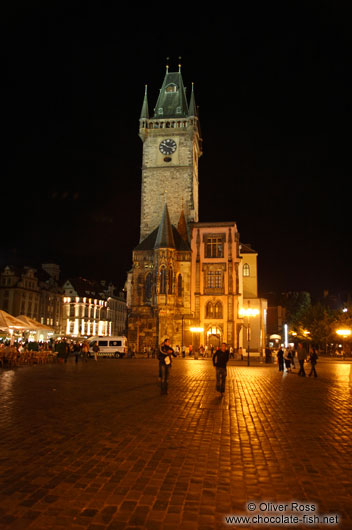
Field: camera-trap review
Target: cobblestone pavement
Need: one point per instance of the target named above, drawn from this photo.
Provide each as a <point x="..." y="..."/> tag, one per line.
<point x="95" y="446"/>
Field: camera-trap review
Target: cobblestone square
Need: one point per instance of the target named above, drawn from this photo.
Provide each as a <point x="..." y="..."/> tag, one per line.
<point x="95" y="446"/>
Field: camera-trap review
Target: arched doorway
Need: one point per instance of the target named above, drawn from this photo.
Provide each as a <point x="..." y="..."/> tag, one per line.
<point x="214" y="336"/>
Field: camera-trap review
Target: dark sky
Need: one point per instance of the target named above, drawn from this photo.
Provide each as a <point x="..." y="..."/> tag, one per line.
<point x="273" y="89"/>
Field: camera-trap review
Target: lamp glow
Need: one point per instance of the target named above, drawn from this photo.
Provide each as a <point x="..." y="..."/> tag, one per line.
<point x="249" y="312"/>
<point x="197" y="330"/>
<point x="344" y="332"/>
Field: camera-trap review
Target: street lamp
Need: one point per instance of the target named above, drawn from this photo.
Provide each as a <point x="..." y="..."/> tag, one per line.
<point x="344" y="333"/>
<point x="248" y="312"/>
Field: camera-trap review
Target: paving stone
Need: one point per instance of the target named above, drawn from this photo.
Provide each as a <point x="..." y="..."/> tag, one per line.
<point x="106" y="452"/>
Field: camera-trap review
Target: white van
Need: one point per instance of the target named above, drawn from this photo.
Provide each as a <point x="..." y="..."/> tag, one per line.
<point x="109" y="346"/>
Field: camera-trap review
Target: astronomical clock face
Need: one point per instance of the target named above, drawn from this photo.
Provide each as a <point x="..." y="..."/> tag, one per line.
<point x="167" y="147"/>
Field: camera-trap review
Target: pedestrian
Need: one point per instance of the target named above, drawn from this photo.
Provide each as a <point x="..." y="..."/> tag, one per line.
<point x="301" y="354"/>
<point x="164" y="357"/>
<point x="232" y="356"/>
<point x="280" y="359"/>
<point x="77" y="351"/>
<point x="85" y="351"/>
<point x="287" y="359"/>
<point x="67" y="350"/>
<point x="313" y="361"/>
<point x="96" y="350"/>
<point x="220" y="360"/>
<point x="293" y="354"/>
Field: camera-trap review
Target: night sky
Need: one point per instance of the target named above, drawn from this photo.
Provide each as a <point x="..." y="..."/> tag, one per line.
<point x="273" y="89"/>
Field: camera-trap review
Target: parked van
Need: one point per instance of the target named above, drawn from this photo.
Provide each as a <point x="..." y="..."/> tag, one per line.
<point x="109" y="346"/>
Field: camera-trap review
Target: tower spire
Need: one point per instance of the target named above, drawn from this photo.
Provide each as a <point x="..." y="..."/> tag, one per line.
<point x="145" y="110"/>
<point x="165" y="237"/>
<point x="192" y="104"/>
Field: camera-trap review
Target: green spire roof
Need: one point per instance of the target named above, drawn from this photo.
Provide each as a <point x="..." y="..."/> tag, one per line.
<point x="192" y="104"/>
<point x="145" y="111"/>
<point x="172" y="102"/>
<point x="165" y="237"/>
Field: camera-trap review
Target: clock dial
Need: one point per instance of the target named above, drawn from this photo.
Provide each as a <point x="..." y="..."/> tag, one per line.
<point x="167" y="147"/>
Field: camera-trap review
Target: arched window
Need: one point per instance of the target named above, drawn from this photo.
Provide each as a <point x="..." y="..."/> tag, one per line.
<point x="209" y="310"/>
<point x="179" y="285"/>
<point x="246" y="270"/>
<point x="148" y="287"/>
<point x="163" y="280"/>
<point x="171" y="281"/>
<point x="218" y="310"/>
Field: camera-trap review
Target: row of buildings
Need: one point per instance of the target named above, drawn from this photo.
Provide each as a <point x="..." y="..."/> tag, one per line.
<point x="74" y="307"/>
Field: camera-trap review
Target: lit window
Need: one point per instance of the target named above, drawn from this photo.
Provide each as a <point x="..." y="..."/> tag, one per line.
<point x="214" y="279"/>
<point x="209" y="310"/>
<point x="171" y="88"/>
<point x="214" y="247"/>
<point x="218" y="310"/>
<point x="246" y="270"/>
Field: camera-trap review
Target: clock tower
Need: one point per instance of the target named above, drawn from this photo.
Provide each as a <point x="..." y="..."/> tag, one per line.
<point x="172" y="146"/>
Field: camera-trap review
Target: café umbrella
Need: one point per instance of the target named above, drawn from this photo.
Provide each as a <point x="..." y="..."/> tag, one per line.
<point x="33" y="324"/>
<point x="10" y="323"/>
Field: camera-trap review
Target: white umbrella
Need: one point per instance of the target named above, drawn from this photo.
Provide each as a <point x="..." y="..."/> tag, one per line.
<point x="33" y="324"/>
<point x="10" y="323"/>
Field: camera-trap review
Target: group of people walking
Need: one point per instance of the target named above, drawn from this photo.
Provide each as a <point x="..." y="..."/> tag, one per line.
<point x="286" y="359"/>
<point x="221" y="356"/>
<point x="220" y="359"/>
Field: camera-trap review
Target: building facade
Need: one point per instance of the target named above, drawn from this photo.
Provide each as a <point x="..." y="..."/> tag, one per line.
<point x="187" y="279"/>
<point x="76" y="308"/>
<point x="31" y="292"/>
<point x="91" y="309"/>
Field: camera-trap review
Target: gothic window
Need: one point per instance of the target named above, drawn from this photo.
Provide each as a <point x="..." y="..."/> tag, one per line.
<point x="148" y="287"/>
<point x="218" y="310"/>
<point x="171" y="280"/>
<point x="246" y="270"/>
<point x="179" y="285"/>
<point x="209" y="310"/>
<point x="214" y="279"/>
<point x="214" y="247"/>
<point x="171" y="88"/>
<point x="163" y="280"/>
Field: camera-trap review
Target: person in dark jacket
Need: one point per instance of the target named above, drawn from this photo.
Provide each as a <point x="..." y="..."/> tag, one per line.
<point x="220" y="360"/>
<point x="280" y="359"/>
<point x="313" y="361"/>
<point x="164" y="357"/>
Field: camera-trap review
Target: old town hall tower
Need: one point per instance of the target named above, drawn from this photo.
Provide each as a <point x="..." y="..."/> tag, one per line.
<point x="160" y="280"/>
<point x="185" y="274"/>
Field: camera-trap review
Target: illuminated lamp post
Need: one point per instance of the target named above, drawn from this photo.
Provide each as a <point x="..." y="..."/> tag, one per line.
<point x="343" y="333"/>
<point x="249" y="312"/>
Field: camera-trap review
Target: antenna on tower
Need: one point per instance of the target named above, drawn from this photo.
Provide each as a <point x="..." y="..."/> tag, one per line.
<point x="179" y="64"/>
<point x="167" y="63"/>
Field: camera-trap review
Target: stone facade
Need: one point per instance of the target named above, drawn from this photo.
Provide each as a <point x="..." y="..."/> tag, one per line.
<point x="185" y="274"/>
